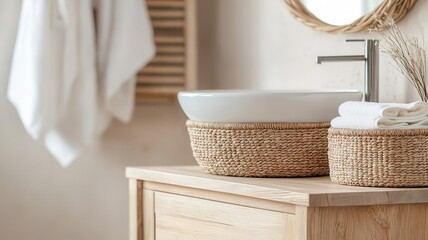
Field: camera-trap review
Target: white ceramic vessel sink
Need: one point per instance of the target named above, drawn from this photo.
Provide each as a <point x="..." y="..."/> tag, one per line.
<point x="264" y="106"/>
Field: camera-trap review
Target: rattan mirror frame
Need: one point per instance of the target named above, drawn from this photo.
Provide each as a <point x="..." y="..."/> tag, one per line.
<point x="397" y="9"/>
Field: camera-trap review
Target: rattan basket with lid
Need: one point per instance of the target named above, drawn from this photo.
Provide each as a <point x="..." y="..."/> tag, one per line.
<point x="260" y="149"/>
<point x="379" y="158"/>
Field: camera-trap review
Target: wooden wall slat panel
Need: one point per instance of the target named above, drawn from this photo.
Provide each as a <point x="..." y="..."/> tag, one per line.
<point x="160" y="3"/>
<point x="174" y="67"/>
<point x="160" y="80"/>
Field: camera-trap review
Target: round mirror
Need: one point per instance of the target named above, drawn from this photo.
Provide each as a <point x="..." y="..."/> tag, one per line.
<point x="339" y="12"/>
<point x="347" y="16"/>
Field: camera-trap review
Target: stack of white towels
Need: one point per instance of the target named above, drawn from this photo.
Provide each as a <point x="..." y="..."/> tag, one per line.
<point x="368" y="115"/>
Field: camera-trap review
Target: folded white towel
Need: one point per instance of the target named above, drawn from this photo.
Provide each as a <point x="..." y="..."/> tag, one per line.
<point x="368" y="115"/>
<point x="375" y="122"/>
<point x="390" y="110"/>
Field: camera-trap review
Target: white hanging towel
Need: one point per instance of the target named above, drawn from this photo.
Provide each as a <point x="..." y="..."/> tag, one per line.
<point x="69" y="77"/>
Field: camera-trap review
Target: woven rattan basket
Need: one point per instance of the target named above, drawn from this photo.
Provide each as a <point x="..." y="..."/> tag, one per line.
<point x="260" y="149"/>
<point x="379" y="158"/>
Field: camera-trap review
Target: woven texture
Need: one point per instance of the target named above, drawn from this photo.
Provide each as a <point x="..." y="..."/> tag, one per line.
<point x="260" y="149"/>
<point x="397" y="9"/>
<point x="379" y="158"/>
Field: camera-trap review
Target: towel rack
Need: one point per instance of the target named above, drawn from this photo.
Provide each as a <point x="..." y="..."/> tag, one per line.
<point x="174" y="68"/>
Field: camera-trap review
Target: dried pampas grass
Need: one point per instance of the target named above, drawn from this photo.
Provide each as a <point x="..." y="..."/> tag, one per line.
<point x="408" y="53"/>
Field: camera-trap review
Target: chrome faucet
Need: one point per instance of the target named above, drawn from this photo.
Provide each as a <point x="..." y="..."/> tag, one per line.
<point x="371" y="73"/>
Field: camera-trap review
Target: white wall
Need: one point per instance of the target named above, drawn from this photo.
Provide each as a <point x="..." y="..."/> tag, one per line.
<point x="244" y="44"/>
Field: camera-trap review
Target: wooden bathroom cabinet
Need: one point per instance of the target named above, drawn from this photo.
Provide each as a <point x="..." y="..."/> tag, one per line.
<point x="184" y="203"/>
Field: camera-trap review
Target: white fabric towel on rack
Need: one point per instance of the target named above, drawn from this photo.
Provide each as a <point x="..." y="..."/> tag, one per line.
<point x="70" y="77"/>
<point x="367" y="115"/>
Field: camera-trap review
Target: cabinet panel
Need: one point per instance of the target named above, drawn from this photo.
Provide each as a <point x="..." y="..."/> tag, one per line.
<point x="180" y="217"/>
<point x="392" y="222"/>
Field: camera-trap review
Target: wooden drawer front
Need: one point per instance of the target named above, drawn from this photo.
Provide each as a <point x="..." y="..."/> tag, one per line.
<point x="180" y="217"/>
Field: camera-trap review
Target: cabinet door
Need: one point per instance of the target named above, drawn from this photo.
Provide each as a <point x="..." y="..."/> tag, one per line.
<point x="187" y="218"/>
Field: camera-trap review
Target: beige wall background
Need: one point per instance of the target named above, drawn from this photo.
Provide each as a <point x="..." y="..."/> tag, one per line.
<point x="243" y="44"/>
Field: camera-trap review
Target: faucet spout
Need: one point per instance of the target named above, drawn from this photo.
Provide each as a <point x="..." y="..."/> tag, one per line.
<point x="349" y="58"/>
<point x="371" y="59"/>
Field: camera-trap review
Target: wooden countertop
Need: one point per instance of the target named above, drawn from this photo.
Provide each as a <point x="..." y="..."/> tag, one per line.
<point x="313" y="191"/>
